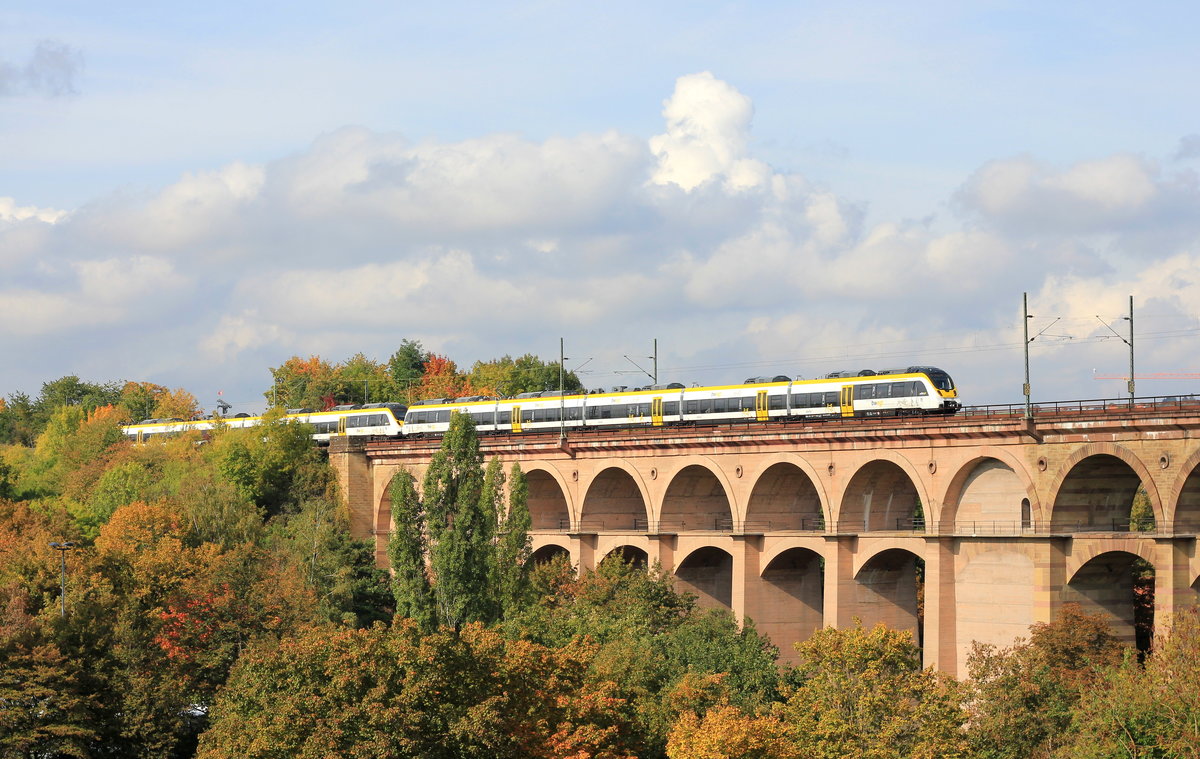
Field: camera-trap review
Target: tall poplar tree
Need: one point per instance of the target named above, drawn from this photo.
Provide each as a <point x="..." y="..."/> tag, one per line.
<point x="475" y="549"/>
<point x="406" y="552"/>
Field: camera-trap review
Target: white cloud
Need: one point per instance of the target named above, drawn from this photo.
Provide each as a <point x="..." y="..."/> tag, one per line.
<point x="11" y="212"/>
<point x="708" y="124"/>
<point x="502" y="243"/>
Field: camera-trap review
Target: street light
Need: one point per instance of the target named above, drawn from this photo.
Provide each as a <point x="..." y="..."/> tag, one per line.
<point x="62" y="549"/>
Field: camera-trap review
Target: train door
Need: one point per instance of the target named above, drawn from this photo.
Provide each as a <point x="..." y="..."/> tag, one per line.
<point x="341" y="425"/>
<point x="847" y="400"/>
<point x="516" y="418"/>
<point x="760" y="406"/>
<point x="656" y="412"/>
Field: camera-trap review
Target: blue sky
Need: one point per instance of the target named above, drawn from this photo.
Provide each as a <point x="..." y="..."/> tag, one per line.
<point x="192" y="195"/>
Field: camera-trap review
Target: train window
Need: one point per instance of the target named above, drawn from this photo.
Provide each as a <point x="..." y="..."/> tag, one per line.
<point x="719" y="405"/>
<point x="919" y="388"/>
<point x="692" y="407"/>
<point x="776" y="402"/>
<point x="901" y="390"/>
<point x="706" y="406"/>
<point x="539" y="415"/>
<point x="593" y="412"/>
<point x="573" y="413"/>
<point x="800" y="400"/>
<point x="526" y="416"/>
<point x="831" y="398"/>
<point x="644" y="409"/>
<point x="443" y="416"/>
<point x="671" y="408"/>
<point x="748" y="403"/>
<point x="864" y="392"/>
<point x="883" y="390"/>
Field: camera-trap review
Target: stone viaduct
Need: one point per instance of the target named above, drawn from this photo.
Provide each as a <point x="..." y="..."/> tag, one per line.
<point x="961" y="529"/>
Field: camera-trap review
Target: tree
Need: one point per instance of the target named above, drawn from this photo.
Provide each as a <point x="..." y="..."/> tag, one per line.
<point x="725" y="732"/>
<point x="666" y="656"/>
<point x="862" y="692"/>
<point x="407" y="549"/>
<point x="507" y="376"/>
<point x="397" y="692"/>
<point x="1150" y="711"/>
<point x="475" y="548"/>
<point x="1022" y="697"/>
<point x="407" y="365"/>
<point x="513" y="545"/>
<point x="176" y="404"/>
<point x="441" y="379"/>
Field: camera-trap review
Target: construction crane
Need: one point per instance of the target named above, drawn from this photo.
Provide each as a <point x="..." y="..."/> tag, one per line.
<point x="1155" y="376"/>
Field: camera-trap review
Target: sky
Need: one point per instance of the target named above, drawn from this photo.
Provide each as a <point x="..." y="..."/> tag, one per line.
<point x="191" y="195"/>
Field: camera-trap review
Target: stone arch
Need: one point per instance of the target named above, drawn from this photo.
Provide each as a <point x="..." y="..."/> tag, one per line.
<point x="786" y="495"/>
<point x="549" y="551"/>
<point x="899" y="486"/>
<point x="886" y="590"/>
<point x="1110" y="584"/>
<point x="965" y="479"/>
<point x="788" y="605"/>
<point x="1185" y="496"/>
<point x="616" y="499"/>
<point x="550" y="506"/>
<point x="697" y="497"/>
<point x="629" y="553"/>
<point x="1072" y="489"/>
<point x="994" y="596"/>
<point x="707" y="572"/>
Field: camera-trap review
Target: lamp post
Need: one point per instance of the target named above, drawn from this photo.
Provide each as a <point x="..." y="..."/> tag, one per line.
<point x="62" y="549"/>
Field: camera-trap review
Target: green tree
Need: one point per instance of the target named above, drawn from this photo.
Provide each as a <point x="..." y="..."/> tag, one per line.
<point x="507" y="376"/>
<point x="398" y="692"/>
<point x="862" y="692"/>
<point x="407" y="365"/>
<point x="454" y="543"/>
<point x="513" y="545"/>
<point x="407" y="549"/>
<point x="1022" y="697"/>
<point x="1143" y="711"/>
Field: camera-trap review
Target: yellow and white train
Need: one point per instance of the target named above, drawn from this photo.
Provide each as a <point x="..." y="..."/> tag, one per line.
<point x="866" y="393"/>
<point x="368" y="419"/>
<point x="915" y="390"/>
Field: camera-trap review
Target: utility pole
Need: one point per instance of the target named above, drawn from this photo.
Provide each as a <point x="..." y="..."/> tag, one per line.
<point x="562" y="398"/>
<point x="62" y="549"/>
<point x="1131" y="383"/>
<point x="655" y="360"/>
<point x="1025" y="324"/>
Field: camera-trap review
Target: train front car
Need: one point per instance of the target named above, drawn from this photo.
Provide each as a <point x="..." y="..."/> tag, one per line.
<point x="943" y="385"/>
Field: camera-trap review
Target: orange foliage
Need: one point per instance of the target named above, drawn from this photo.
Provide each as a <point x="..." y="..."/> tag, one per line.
<point x="443" y="380"/>
<point x="726" y="732"/>
<point x="177" y="404"/>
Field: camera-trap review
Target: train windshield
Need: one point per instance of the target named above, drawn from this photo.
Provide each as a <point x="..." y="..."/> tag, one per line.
<point x="941" y="380"/>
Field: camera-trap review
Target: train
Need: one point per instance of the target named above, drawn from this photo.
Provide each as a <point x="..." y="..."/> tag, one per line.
<point x="838" y="395"/>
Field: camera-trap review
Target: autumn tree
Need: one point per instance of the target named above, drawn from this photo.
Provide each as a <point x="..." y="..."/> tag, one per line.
<point x="666" y="656"/>
<point x="400" y="693"/>
<point x="862" y="692"/>
<point x="1151" y="710"/>
<point x="507" y="376"/>
<point x="1022" y="697"/>
<point x="726" y="732"/>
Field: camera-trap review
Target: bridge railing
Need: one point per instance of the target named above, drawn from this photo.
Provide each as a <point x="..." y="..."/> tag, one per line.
<point x="1089" y="406"/>
<point x="954" y="528"/>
